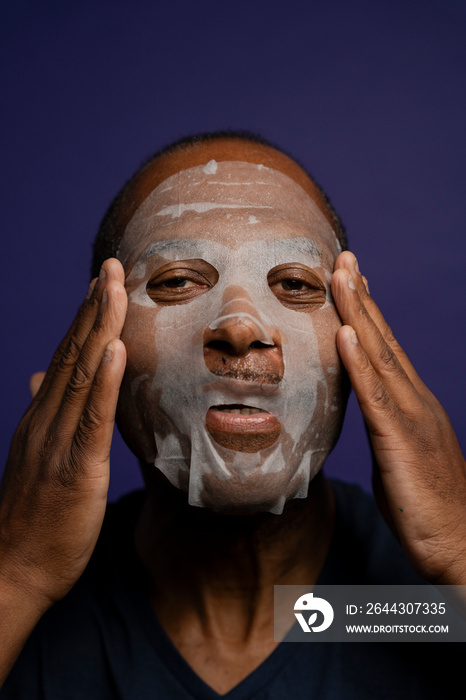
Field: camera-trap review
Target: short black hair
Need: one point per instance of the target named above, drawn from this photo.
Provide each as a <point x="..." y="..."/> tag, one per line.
<point x="110" y="230"/>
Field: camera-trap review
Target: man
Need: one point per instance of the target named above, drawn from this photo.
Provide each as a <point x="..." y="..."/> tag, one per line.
<point x="238" y="316"/>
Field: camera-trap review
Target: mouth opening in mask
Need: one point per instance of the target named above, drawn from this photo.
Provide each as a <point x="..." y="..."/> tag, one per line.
<point x="242" y="427"/>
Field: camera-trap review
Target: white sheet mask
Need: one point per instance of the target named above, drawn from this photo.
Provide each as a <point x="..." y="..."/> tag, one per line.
<point x="244" y="220"/>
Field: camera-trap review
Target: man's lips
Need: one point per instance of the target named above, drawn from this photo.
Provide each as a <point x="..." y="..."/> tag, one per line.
<point x="241" y="427"/>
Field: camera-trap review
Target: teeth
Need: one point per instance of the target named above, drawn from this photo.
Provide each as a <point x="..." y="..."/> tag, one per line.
<point x="243" y="411"/>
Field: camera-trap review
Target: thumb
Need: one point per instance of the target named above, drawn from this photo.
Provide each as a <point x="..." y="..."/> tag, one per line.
<point x="35" y="381"/>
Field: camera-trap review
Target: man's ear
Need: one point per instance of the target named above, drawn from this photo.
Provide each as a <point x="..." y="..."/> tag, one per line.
<point x="35" y="382"/>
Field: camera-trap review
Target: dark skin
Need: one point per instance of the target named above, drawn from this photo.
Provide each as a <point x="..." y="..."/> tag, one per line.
<point x="53" y="495"/>
<point x="213" y="575"/>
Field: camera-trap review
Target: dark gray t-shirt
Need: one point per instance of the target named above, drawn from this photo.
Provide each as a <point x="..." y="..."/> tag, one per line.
<point x="104" y="641"/>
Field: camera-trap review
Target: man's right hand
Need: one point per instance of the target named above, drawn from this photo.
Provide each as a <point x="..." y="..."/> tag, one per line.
<point x="54" y="490"/>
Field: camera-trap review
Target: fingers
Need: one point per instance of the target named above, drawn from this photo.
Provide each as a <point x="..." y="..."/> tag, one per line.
<point x="35" y="383"/>
<point x="358" y="309"/>
<point x="375" y="400"/>
<point x="92" y="356"/>
<point x="86" y="315"/>
<point x="97" y="322"/>
<point x="94" y="432"/>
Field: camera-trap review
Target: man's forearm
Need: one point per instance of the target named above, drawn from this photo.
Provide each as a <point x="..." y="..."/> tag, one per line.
<point x="20" y="611"/>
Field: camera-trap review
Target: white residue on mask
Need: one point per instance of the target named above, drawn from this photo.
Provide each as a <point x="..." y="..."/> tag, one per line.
<point x="210" y="168"/>
<point x="245" y="319"/>
<point x="177" y="210"/>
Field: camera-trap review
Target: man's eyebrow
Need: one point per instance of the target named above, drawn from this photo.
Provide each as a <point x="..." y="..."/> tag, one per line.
<point x="301" y="245"/>
<point x="194" y="248"/>
<point x="189" y="247"/>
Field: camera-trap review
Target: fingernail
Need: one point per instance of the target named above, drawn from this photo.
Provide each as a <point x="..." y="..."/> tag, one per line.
<point x="366" y="284"/>
<point x="354" y="337"/>
<point x="102" y="274"/>
<point x="351" y="282"/>
<point x="108" y="353"/>
<point x="356" y="265"/>
<point x="91" y="288"/>
<point x="104" y="296"/>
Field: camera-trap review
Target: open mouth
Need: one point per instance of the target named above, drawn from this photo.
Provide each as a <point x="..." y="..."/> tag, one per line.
<point x="239" y="409"/>
<point x="241" y="427"/>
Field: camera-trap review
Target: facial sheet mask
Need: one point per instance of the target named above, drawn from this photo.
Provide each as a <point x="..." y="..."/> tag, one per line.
<point x="243" y="220"/>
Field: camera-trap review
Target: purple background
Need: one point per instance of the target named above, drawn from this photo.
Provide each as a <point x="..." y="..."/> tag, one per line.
<point x="370" y="96"/>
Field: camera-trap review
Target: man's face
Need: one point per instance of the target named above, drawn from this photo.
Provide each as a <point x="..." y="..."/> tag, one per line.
<point x="233" y="386"/>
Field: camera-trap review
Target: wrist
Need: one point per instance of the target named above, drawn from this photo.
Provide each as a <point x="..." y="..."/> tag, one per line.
<point x="20" y="611"/>
<point x="451" y="569"/>
<point x="23" y="588"/>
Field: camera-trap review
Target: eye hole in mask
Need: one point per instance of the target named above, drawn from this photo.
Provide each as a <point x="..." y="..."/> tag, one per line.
<point x="179" y="282"/>
<point x="297" y="287"/>
<point x="293" y="284"/>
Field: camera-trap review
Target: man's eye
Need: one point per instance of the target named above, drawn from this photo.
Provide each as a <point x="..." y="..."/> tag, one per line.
<point x="297" y="287"/>
<point x="181" y="281"/>
<point x="170" y="287"/>
<point x="292" y="285"/>
<point x="178" y="282"/>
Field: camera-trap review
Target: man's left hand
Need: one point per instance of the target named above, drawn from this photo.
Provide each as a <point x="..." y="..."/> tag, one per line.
<point x="420" y="472"/>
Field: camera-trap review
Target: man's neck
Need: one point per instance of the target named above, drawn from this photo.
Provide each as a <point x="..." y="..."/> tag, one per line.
<point x="220" y="569"/>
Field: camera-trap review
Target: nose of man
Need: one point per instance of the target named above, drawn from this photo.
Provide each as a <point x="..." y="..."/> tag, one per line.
<point x="240" y="339"/>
